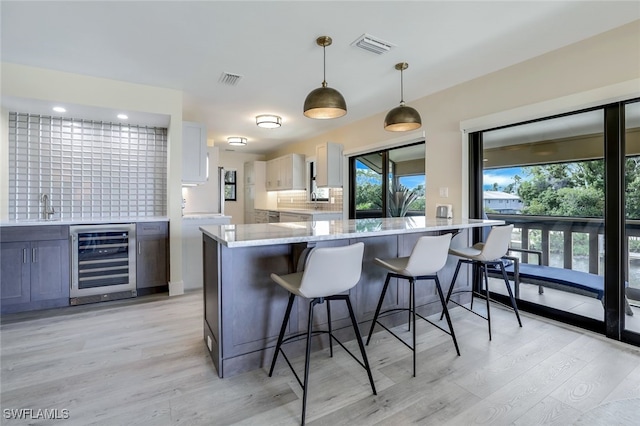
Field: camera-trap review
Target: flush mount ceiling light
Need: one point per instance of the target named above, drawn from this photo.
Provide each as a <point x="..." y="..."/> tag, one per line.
<point x="123" y="116"/>
<point x="402" y="118"/>
<point x="59" y="109"/>
<point x="324" y="102"/>
<point x="236" y="141"/>
<point x="268" y="121"/>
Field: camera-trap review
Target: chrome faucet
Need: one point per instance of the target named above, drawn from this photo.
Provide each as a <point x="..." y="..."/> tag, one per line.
<point x="47" y="210"/>
<point x="314" y="197"/>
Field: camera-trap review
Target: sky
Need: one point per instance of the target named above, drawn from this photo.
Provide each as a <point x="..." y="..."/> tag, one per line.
<point x="502" y="177"/>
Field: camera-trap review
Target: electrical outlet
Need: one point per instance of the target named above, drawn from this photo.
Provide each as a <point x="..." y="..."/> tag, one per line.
<point x="444" y="192"/>
<point x="291" y="200"/>
<point x="333" y="200"/>
<point x="209" y="343"/>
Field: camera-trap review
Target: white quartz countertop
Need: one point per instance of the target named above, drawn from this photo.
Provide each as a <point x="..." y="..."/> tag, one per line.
<point x="87" y="221"/>
<point x="260" y="234"/>
<point x="198" y="216"/>
<point x="312" y="212"/>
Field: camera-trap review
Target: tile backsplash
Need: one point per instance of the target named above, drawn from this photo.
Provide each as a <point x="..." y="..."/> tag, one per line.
<point x="88" y="169"/>
<point x="299" y="200"/>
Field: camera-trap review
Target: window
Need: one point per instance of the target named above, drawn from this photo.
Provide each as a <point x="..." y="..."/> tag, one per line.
<point x="315" y="193"/>
<point x="388" y="183"/>
<point x="230" y="185"/>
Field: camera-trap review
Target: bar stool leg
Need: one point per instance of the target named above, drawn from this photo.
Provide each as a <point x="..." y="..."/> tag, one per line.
<point x="282" y="331"/>
<point x="306" y="359"/>
<point x="330" y="330"/>
<point x="412" y="297"/>
<point x="356" y="329"/>
<point x="486" y="290"/>
<point x="476" y="284"/>
<point x="375" y="317"/>
<point x="513" y="301"/>
<point x="445" y="311"/>
<point x="453" y="282"/>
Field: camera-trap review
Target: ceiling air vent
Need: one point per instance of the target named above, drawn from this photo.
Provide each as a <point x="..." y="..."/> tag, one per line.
<point x="229" y="79"/>
<point x="372" y="44"/>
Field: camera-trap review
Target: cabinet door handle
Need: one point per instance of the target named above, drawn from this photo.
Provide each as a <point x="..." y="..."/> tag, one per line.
<point x="34" y="259"/>
<point x="24" y="255"/>
<point x="139" y="248"/>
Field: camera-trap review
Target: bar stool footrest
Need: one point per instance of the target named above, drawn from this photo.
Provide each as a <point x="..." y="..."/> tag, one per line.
<point x="297" y="338"/>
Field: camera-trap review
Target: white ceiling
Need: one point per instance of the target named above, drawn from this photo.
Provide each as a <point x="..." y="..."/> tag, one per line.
<point x="187" y="45"/>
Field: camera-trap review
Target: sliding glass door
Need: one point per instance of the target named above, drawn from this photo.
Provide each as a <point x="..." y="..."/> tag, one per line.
<point x="571" y="186"/>
<point x="631" y="285"/>
<point x="547" y="178"/>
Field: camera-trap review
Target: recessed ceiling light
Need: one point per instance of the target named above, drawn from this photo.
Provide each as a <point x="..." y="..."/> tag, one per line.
<point x="123" y="116"/>
<point x="59" y="109"/>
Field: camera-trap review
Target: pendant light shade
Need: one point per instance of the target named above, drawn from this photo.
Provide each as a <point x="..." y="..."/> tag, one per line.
<point x="324" y="102"/>
<point x="402" y="118"/>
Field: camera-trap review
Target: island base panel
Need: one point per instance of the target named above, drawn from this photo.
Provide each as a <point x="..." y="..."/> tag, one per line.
<point x="234" y="276"/>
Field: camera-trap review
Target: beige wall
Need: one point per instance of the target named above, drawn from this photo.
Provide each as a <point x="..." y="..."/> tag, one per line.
<point x="599" y="62"/>
<point x="48" y="85"/>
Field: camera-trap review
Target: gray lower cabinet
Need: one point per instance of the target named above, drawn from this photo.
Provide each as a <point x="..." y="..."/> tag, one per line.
<point x="152" y="264"/>
<point x="34" y="264"/>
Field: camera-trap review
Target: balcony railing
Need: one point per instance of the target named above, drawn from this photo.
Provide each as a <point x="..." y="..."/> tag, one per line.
<point x="554" y="237"/>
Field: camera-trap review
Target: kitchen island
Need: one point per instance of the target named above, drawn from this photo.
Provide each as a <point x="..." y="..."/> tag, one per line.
<point x="243" y="308"/>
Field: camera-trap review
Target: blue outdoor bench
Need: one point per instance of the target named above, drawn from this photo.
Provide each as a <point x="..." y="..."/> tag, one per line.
<point x="577" y="282"/>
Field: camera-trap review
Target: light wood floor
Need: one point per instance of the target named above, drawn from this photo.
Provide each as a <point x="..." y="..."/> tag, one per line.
<point x="145" y="364"/>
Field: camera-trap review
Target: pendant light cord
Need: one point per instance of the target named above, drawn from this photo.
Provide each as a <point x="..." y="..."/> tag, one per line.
<point x="401" y="87"/>
<point x="324" y="66"/>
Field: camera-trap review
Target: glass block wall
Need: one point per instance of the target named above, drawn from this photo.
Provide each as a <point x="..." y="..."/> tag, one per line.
<point x="88" y="169"/>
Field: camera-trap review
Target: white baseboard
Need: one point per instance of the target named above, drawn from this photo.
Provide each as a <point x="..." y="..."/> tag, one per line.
<point x="176" y="288"/>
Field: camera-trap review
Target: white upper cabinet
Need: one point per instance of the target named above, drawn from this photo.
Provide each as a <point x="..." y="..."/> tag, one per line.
<point x="284" y="173"/>
<point x="194" y="153"/>
<point x="329" y="165"/>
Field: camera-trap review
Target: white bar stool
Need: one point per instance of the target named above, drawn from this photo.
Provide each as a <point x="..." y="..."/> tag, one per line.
<point x="481" y="255"/>
<point x="428" y="256"/>
<point x="327" y="272"/>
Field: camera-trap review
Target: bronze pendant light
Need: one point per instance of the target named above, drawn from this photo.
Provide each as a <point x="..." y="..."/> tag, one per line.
<point x="324" y="102"/>
<point x="402" y="118"/>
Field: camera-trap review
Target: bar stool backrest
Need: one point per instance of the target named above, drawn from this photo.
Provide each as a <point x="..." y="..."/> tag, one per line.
<point x="428" y="255"/>
<point x="497" y="243"/>
<point x="331" y="270"/>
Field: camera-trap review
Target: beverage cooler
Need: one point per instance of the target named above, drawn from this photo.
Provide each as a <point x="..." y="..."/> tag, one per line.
<point x="103" y="260"/>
